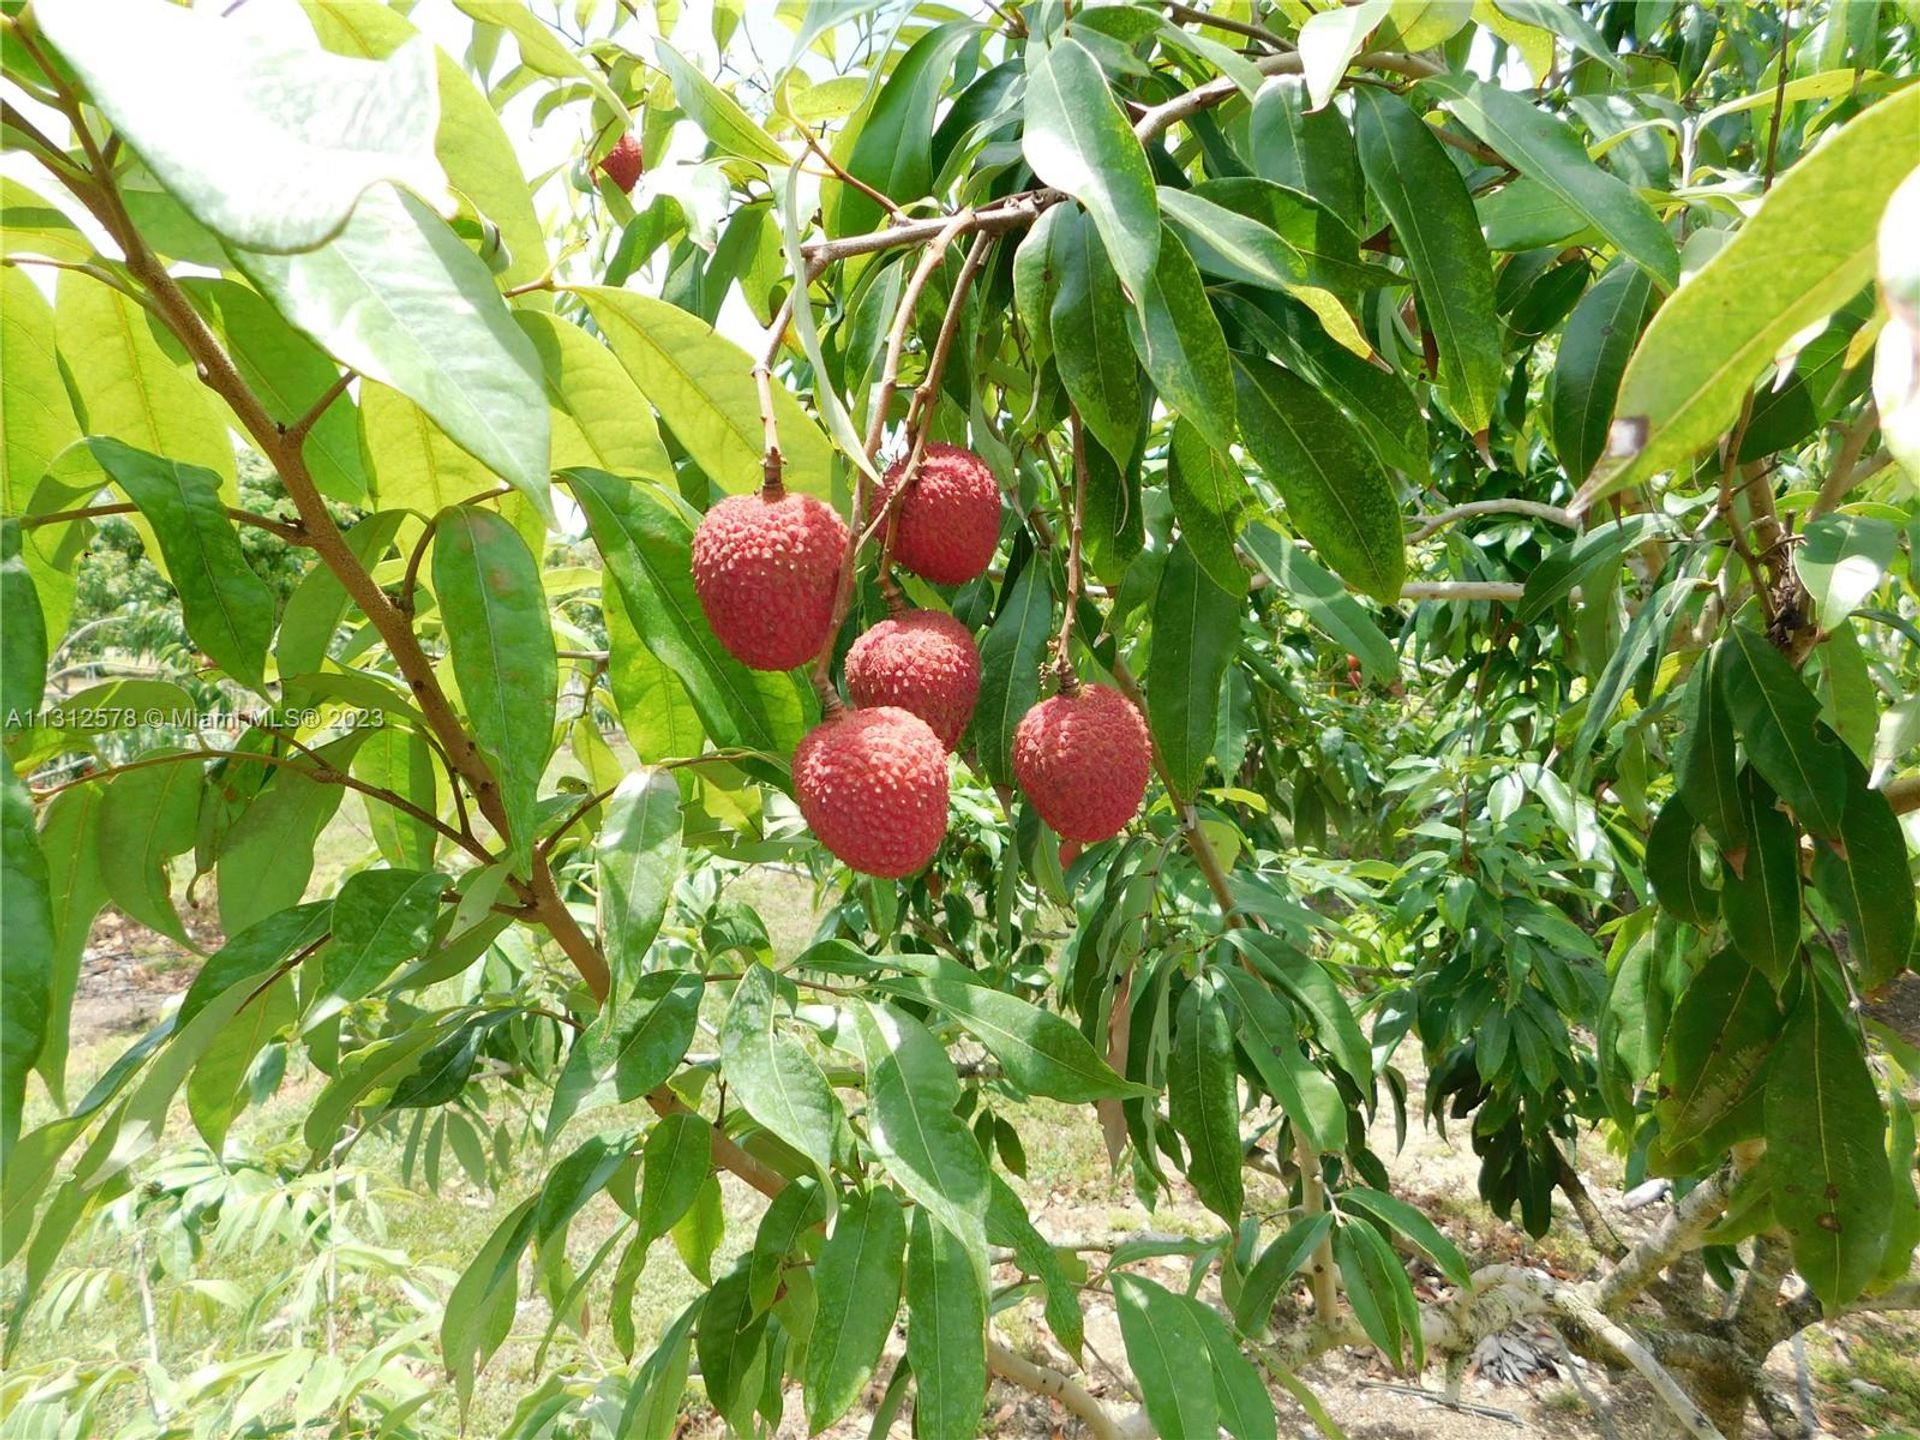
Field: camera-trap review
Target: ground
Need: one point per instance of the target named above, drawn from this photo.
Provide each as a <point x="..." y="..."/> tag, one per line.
<point x="1866" y="1377"/>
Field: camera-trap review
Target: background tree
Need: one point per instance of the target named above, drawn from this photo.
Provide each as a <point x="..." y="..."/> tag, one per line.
<point x="1477" y="438"/>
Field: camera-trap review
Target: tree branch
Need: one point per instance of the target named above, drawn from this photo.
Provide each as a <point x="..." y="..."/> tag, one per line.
<point x="291" y="532"/>
<point x="1430" y="524"/>
<point x="1042" y="1380"/>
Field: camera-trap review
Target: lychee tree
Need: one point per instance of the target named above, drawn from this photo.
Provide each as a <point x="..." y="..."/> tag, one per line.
<point x="1247" y="552"/>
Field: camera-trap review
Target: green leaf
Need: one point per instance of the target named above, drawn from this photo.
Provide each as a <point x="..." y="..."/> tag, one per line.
<point x="1230" y="245"/>
<point x="1337" y="496"/>
<point x="400" y="761"/>
<point x="1842" y="560"/>
<point x="1863" y="874"/>
<point x="252" y="952"/>
<point x="718" y="114"/>
<point x="265" y="138"/>
<point x="631" y="1047"/>
<point x="893" y="142"/>
<point x="1570" y="25"/>
<point x="228" y="608"/>
<point x="1267" y="1032"/>
<point x="1807" y="250"/>
<point x="214" y="1093"/>
<point x="479" y="1311"/>
<point x="27" y="936"/>
<point x="731" y="1334"/>
<point x="1433" y="215"/>
<point x="147" y="817"/>
<point x="318" y="605"/>
<point x="703" y="387"/>
<point x="1324" y="599"/>
<point x="928" y="1149"/>
<point x="1088" y="320"/>
<point x="1246" y="1409"/>
<point x="1010" y="668"/>
<point x="674" y="1164"/>
<point x="1277" y="1264"/>
<point x="1077" y="140"/>
<point x="1673" y="867"/>
<point x="858" y="1280"/>
<point x="1313" y="991"/>
<point x="1414" y="1227"/>
<point x="1178" y="339"/>
<point x="1036" y="280"/>
<point x="1719" y="1039"/>
<point x="69" y="838"/>
<point x="1645" y="637"/>
<point x="1594" y="348"/>
<point x="1203" y="1099"/>
<point x="600" y="418"/>
<point x="1210" y="499"/>
<point x="647" y="547"/>
<point x="771" y="1074"/>
<point x="698" y="1233"/>
<point x="36" y="417"/>
<point x="1576" y="563"/>
<point x="1379" y="1291"/>
<point x="398" y="297"/>
<point x="1832" y="1190"/>
<point x="1777" y="716"/>
<point x="1543" y="148"/>
<point x="1040" y="1052"/>
<point x="1703" y="760"/>
<point x="1305" y="149"/>
<point x="637" y="857"/>
<point x="1168" y="1353"/>
<point x="267" y="857"/>
<point x="496" y="619"/>
<point x="380" y="918"/>
<point x="23" y="635"/>
<point x="946" y="1331"/>
<point x="1007" y="1224"/>
<point x="1196" y="633"/>
<point x="30" y="225"/>
<point x="1329" y="41"/>
<point x="1760" y="894"/>
<point x="655" y="712"/>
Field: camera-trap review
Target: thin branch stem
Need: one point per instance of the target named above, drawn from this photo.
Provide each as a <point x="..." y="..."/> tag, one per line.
<point x="289" y="531"/>
<point x="298" y="431"/>
<point x="1843" y="472"/>
<point x="1431" y="524"/>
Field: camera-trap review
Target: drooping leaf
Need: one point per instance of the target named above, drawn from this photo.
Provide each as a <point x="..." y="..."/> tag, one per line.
<point x="1324" y="599"/>
<point x="252" y="952"/>
<point x="1805" y="252"/>
<point x="1277" y="1264"/>
<point x="858" y="1279"/>
<point x="398" y="297"/>
<point x="732" y="1334"/>
<point x="26" y="934"/>
<point x="1266" y="1030"/>
<point x="480" y="1308"/>
<point x="1414" y="1227"/>
<point x="1010" y="668"/>
<point x="1673" y="867"/>
<point x="1760" y="896"/>
<point x="380" y="918"/>
<point x="1594" y="348"/>
<point x="69" y="839"/>
<point x="637" y="858"/>
<point x="268" y="140"/>
<point x="1330" y="40"/>
<point x="495" y="616"/>
<point x="1778" y="718"/>
<point x="1863" y="874"/>
<point x="1203" y="1099"/>
<point x="674" y="1164"/>
<point x="1196" y="627"/>
<point x="1424" y="196"/>
<point x="893" y="143"/>
<point x="946" y="1330"/>
<point x="1832" y="1190"/>
<point x="1717" y="1044"/>
<point x="1178" y="339"/>
<point x="1169" y="1356"/>
<point x="1088" y="320"/>
<point x="1703" y="756"/>
<point x="1210" y="499"/>
<point x="1077" y="139"/>
<point x="1337" y="496"/>
<point x="772" y="1076"/>
<point x="718" y="114"/>
<point x="147" y="817"/>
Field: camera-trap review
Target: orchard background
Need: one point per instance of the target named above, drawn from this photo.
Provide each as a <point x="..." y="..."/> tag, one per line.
<point x="1467" y="450"/>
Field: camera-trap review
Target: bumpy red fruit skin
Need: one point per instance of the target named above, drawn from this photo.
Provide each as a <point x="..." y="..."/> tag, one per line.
<point x="1083" y="761"/>
<point x="872" y="784"/>
<point x="623" y="162"/>
<point x="766" y="572"/>
<point x="924" y="661"/>
<point x="948" y="526"/>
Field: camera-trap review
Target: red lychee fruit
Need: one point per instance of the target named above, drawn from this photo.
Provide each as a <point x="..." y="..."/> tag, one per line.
<point x="948" y="525"/>
<point x="872" y="785"/>
<point x="924" y="661"/>
<point x="766" y="572"/>
<point x="623" y="162"/>
<point x="1083" y="760"/>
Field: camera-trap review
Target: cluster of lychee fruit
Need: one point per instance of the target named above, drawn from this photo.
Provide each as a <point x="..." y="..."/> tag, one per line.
<point x="871" y="781"/>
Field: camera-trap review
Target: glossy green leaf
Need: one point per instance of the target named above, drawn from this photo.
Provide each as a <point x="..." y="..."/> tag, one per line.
<point x="1196" y="632"/>
<point x="1644" y="637"/>
<point x="147" y="817"/>
<point x="1077" y="140"/>
<point x="1778" y="718"/>
<point x="1842" y="560"/>
<point x="893" y="143"/>
<point x="1547" y="151"/>
<point x="398" y="297"/>
<point x="928" y="1149"/>
<point x="702" y="385"/>
<point x="1010" y="668"/>
<point x="631" y="1047"/>
<point x="1337" y="495"/>
<point x="264" y="137"/>
<point x="1414" y="1227"/>
<point x="1570" y="25"/>
<point x="1178" y="339"/>
<point x="1305" y="149"/>
<point x="1832" y="1190"/>
<point x="1039" y="1051"/>
<point x="1760" y="894"/>
<point x="1324" y="599"/>
<point x="26" y="933"/>
<point x="1424" y="196"/>
<point x="1089" y="333"/>
<point x="1210" y="498"/>
<point x="1806" y="251"/>
<point x="1577" y="562"/>
<point x="252" y="952"/>
<point x="229" y="609"/>
<point x="647" y="546"/>
<point x="674" y="1164"/>
<point x="1599" y="338"/>
<point x="318" y="604"/>
<point x="1277" y="1264"/>
<point x="1203" y="1099"/>
<point x="1717" y="1043"/>
<point x="266" y="859"/>
<point x="1168" y="1354"/>
<point x="719" y="116"/>
<point x="946" y="1331"/>
<point x="1330" y="40"/>
<point x="496" y="620"/>
<point x="1268" y="1033"/>
<point x="771" y="1074"/>
<point x="1230" y="245"/>
<point x="1704" y="764"/>
<point x="380" y="918"/>
<point x="858" y="1279"/>
<point x="637" y="858"/>
<point x="600" y="418"/>
<point x="698" y="1233"/>
<point x="36" y="417"/>
<point x="1863" y="873"/>
<point x="400" y="761"/>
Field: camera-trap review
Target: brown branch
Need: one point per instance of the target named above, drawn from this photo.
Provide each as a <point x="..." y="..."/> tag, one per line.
<point x="291" y="532"/>
<point x="1842" y="473"/>
<point x="885" y="202"/>
<point x="297" y="432"/>
<point x="1192" y="16"/>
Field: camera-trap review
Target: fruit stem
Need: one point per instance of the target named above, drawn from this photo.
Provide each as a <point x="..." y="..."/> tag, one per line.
<point x="771" y="465"/>
<point x="831" y="706"/>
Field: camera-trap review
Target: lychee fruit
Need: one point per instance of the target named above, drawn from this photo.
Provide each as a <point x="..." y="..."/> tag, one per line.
<point x="948" y="525"/>
<point x="767" y="571"/>
<point x="1083" y="758"/>
<point x="872" y="785"/>
<point x="623" y="162"/>
<point x="924" y="661"/>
